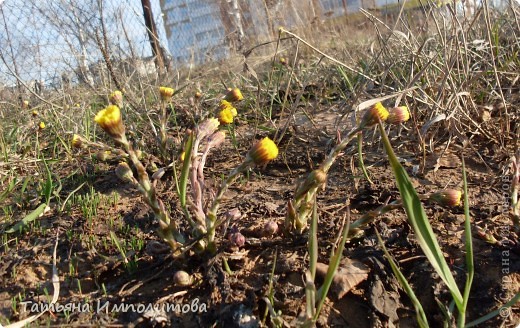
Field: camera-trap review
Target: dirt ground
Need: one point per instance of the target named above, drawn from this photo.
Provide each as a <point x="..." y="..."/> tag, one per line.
<point x="92" y="272"/>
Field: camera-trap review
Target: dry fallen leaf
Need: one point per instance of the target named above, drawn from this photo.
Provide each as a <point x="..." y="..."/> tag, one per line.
<point x="350" y="273"/>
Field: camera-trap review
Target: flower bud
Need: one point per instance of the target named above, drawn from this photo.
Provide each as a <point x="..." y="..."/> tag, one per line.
<point x="124" y="172"/>
<point x="314" y="179"/>
<point x="270" y="228"/>
<point x="182" y="279"/>
<point x="448" y="197"/>
<point x="77" y="141"/>
<point x="102" y="155"/>
<point x="375" y="113"/>
<point x="198" y="95"/>
<point x="41" y="126"/>
<point x="158" y="174"/>
<point x="109" y="119"/>
<point x="224" y="104"/>
<point x="237" y="239"/>
<point x="116" y="98"/>
<point x="263" y="151"/>
<point x="233" y="214"/>
<point x="233" y="95"/>
<point x="34" y="113"/>
<point x="166" y="93"/>
<point x="398" y="115"/>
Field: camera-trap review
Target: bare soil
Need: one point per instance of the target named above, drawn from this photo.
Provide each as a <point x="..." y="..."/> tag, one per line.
<point x="92" y="272"/>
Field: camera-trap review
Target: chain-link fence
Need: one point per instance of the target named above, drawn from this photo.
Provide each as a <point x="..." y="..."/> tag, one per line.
<point x="52" y="44"/>
<point x="56" y="44"/>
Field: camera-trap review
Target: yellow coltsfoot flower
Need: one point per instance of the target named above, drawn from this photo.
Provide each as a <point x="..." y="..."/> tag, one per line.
<point x="34" y="113"/>
<point x="166" y="93"/>
<point x="233" y="95"/>
<point x="374" y="114"/>
<point x="41" y="126"/>
<point x="448" y="197"/>
<point x="398" y="115"/>
<point x="116" y="98"/>
<point x="224" y="104"/>
<point x="263" y="151"/>
<point x="225" y="116"/>
<point x="109" y="119"/>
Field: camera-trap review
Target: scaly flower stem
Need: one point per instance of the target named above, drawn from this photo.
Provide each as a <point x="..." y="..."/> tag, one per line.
<point x="334" y="153"/>
<point x="167" y="228"/>
<point x="304" y="201"/>
<point x="162" y="131"/>
<point x="515" y="188"/>
<point x="211" y="216"/>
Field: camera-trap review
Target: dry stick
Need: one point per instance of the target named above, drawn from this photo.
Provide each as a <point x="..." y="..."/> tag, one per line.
<point x="284" y="103"/>
<point x="103" y="47"/>
<point x="26" y="86"/>
<point x="488" y="30"/>
<point x="108" y="62"/>
<point x="271" y="73"/>
<point x="329" y="57"/>
<point x="289" y="119"/>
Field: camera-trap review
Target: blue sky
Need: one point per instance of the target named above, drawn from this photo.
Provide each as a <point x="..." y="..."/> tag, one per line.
<point x="41" y="50"/>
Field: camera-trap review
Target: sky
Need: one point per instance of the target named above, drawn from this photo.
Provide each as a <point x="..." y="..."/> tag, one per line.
<point x="39" y="37"/>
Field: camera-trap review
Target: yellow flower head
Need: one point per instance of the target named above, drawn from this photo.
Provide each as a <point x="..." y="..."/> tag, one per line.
<point x="233" y="95"/>
<point x="77" y="141"/>
<point x="109" y="119"/>
<point x="448" y="197"/>
<point x="373" y="115"/>
<point x="398" y="115"/>
<point x="41" y="126"/>
<point x="263" y="151"/>
<point x="166" y="93"/>
<point x="225" y="116"/>
<point x="34" y="113"/>
<point x="224" y="104"/>
<point x="116" y="98"/>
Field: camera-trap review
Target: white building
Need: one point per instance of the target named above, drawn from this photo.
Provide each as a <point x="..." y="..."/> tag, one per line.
<point x="195" y="30"/>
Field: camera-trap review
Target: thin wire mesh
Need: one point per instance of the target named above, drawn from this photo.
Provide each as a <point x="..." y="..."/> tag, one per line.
<point x="49" y="44"/>
<point x="55" y="44"/>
